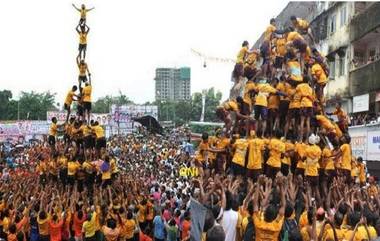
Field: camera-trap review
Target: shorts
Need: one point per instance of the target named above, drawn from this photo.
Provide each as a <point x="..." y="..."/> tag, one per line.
<point x="89" y="142"/>
<point x="106" y="183"/>
<point x="261" y="112"/>
<point x="82" y="78"/>
<point x="265" y="51"/>
<point x="278" y="62"/>
<point x="82" y="47"/>
<point x="254" y="174"/>
<point x="293" y="113"/>
<point x="87" y="106"/>
<point x="300" y="171"/>
<point x="245" y="110"/>
<point x="313" y="180"/>
<point x="70" y="180"/>
<point x="51" y="140"/>
<point x="307" y="111"/>
<point x="80" y="110"/>
<point x="249" y="72"/>
<point x="271" y="172"/>
<point x="66" y="106"/>
<point x="273" y="113"/>
<point x="237" y="170"/>
<point x="347" y="174"/>
<point x="101" y="143"/>
<point x="238" y="71"/>
<point x="219" y="163"/>
<point x="329" y="176"/>
<point x="283" y="107"/>
<point x="284" y="169"/>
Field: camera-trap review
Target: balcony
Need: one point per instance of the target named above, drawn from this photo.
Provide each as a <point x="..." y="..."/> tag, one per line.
<point x="365" y="22"/>
<point x="365" y="78"/>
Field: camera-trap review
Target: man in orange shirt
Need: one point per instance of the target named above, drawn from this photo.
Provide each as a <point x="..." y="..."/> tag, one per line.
<point x="319" y="77"/>
<point x="302" y="26"/>
<point x="342" y="117"/>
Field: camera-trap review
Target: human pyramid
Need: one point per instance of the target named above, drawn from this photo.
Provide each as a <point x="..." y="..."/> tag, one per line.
<point x="275" y="119"/>
<point x="85" y="133"/>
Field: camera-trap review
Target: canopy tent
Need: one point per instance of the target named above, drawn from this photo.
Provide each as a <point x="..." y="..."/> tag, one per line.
<point x="150" y="123"/>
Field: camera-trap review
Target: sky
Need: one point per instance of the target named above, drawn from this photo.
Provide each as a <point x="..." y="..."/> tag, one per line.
<point x="128" y="40"/>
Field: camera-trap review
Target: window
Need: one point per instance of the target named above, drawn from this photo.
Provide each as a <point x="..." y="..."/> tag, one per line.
<point x="332" y="69"/>
<point x="332" y="24"/>
<point x="342" y="66"/>
<point x="343" y="16"/>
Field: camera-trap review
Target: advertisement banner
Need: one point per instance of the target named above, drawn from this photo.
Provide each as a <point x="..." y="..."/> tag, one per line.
<point x="125" y="113"/>
<point x="359" y="141"/>
<point x="360" y="103"/>
<point x="103" y="119"/>
<point x="373" y="151"/>
<point x="9" y="131"/>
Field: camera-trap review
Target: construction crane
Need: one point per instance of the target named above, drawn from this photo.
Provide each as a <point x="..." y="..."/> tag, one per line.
<point x="207" y="58"/>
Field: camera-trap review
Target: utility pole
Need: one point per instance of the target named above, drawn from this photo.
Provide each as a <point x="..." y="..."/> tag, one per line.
<point x="203" y="106"/>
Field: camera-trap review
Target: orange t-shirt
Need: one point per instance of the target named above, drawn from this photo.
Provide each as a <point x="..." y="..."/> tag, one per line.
<point x="77" y="224"/>
<point x="186" y="225"/>
<point x="55" y="230"/>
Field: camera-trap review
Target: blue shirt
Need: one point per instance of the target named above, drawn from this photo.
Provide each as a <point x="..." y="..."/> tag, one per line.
<point x="159" y="228"/>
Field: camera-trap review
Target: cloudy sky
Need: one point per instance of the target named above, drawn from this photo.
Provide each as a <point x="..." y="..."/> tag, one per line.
<point x="127" y="41"/>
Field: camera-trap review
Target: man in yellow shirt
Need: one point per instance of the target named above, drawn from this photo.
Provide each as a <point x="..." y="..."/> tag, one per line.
<point x="362" y="171"/>
<point x="69" y="100"/>
<point x="345" y="153"/>
<point x="256" y="147"/>
<point x="293" y="69"/>
<point x="53" y="132"/>
<point x="313" y="155"/>
<point x="238" y="160"/>
<point x="268" y="223"/>
<point x="83" y="70"/>
<point x="300" y="150"/>
<point x="342" y="117"/>
<point x="261" y="103"/>
<point x="83" y="12"/>
<point x="86" y="96"/>
<point x="286" y="160"/>
<point x="276" y="152"/>
<point x="319" y="77"/>
<point x="100" y="137"/>
<point x="302" y="26"/>
<point x="284" y="87"/>
<point x="82" y="30"/>
<point x="306" y="93"/>
<point x="250" y="69"/>
<point x="293" y="113"/>
<point x="239" y="66"/>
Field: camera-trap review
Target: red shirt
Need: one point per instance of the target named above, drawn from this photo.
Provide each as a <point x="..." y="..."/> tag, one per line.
<point x="55" y="230"/>
<point x="186" y="225"/>
<point x="77" y="224"/>
<point x="144" y="237"/>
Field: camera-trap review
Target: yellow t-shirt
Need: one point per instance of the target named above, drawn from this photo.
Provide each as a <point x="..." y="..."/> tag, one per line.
<point x="89" y="227"/>
<point x="294" y="70"/>
<point x="128" y="228"/>
<point x="293" y="36"/>
<point x="300" y="148"/>
<point x="273" y="101"/>
<point x="284" y="87"/>
<point x="99" y="131"/>
<point x="53" y="129"/>
<point x="141" y="213"/>
<point x="346" y="156"/>
<point x="43" y="225"/>
<point x="83" y="13"/>
<point x="288" y="148"/>
<point x="306" y="93"/>
<point x="328" y="162"/>
<point x="255" y="156"/>
<point x="318" y="72"/>
<point x="72" y="168"/>
<point x="82" y="69"/>
<point x="241" y="146"/>
<point x="69" y="97"/>
<point x="263" y="92"/>
<point x="241" y="55"/>
<point x="329" y="234"/>
<point x="231" y="105"/>
<point x="249" y="87"/>
<point x="281" y="47"/>
<point x="302" y="24"/>
<point x="267" y="231"/>
<point x="86" y="92"/>
<point x="313" y="154"/>
<point x="202" y="152"/>
<point x="268" y="32"/>
<point x="83" y="38"/>
<point x="276" y="148"/>
<point x="325" y="123"/>
<point x="106" y="175"/>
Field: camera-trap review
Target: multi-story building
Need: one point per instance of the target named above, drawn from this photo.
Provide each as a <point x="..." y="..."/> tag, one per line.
<point x="348" y="33"/>
<point x="173" y="84"/>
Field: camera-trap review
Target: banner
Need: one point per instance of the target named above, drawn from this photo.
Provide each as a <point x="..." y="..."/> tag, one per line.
<point x="9" y="131"/>
<point x="33" y="127"/>
<point x="373" y="145"/>
<point x="125" y="113"/>
<point x="103" y="119"/>
<point x="360" y="103"/>
<point x="359" y="141"/>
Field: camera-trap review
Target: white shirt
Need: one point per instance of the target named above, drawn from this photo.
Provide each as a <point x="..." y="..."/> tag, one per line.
<point x="229" y="222"/>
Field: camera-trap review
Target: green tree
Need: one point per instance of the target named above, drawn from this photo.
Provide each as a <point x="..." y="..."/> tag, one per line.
<point x="33" y="105"/>
<point x="103" y="104"/>
<point x="6" y="102"/>
<point x="212" y="101"/>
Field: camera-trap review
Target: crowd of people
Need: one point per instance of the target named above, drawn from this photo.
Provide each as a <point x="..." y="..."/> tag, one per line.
<point x="280" y="168"/>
